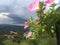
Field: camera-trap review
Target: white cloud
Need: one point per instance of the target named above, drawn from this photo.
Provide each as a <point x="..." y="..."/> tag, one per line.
<point x="4" y="15"/>
<point x="4" y="19"/>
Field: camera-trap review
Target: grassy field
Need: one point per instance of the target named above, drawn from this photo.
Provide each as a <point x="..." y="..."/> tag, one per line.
<point x="43" y="41"/>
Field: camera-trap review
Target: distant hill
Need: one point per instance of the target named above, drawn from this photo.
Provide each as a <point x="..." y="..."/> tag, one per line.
<point x="10" y="27"/>
<point x="4" y="28"/>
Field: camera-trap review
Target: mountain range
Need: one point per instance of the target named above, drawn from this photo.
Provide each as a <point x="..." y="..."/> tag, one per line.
<point x="10" y="27"/>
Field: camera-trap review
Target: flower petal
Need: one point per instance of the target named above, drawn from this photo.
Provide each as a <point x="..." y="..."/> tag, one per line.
<point x="49" y="1"/>
<point x="29" y="34"/>
<point x="32" y="6"/>
<point x="25" y="24"/>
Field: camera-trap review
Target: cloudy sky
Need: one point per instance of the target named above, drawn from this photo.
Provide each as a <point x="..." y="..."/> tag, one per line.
<point x="15" y="11"/>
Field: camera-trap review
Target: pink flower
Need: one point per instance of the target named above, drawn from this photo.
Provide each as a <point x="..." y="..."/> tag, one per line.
<point x="32" y="6"/>
<point x="49" y="1"/>
<point x="29" y="34"/>
<point x="25" y="24"/>
<point x="37" y="22"/>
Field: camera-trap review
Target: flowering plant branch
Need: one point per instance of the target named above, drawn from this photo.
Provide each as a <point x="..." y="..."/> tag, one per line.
<point x="45" y="22"/>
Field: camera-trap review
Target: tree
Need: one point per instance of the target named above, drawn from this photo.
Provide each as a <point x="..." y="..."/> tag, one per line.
<point x="44" y="26"/>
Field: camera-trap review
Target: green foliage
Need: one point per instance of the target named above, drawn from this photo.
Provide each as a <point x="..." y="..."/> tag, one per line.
<point x="47" y="21"/>
<point x="9" y="42"/>
<point x="16" y="39"/>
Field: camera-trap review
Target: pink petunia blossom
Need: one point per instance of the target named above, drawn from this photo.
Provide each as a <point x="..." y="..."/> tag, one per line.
<point x="32" y="6"/>
<point x="29" y="34"/>
<point x="25" y="24"/>
<point x="49" y="1"/>
<point x="37" y="22"/>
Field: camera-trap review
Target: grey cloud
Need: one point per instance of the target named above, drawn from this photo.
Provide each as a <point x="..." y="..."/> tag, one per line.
<point x="6" y="2"/>
<point x="16" y="19"/>
<point x="16" y="10"/>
